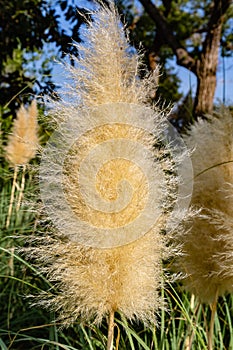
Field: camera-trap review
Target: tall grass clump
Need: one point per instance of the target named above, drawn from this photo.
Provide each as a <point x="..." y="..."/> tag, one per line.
<point x="207" y="259"/>
<point x="101" y="254"/>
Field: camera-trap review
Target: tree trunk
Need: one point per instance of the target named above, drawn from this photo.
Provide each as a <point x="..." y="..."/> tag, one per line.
<point x="206" y="85"/>
<point x="206" y="69"/>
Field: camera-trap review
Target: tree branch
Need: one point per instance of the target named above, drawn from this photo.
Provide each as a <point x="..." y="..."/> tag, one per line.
<point x="183" y="57"/>
<point x="167" y="4"/>
<point x="218" y="12"/>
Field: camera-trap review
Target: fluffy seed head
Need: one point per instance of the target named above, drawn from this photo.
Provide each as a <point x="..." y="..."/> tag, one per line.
<point x="208" y="243"/>
<point x="23" y="141"/>
<point x="102" y="182"/>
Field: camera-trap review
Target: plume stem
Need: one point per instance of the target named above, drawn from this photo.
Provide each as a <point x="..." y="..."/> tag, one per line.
<point x="12" y="196"/>
<point x="21" y="188"/>
<point x="211" y="327"/>
<point x="110" y="330"/>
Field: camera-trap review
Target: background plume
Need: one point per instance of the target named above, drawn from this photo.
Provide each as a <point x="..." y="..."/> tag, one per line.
<point x="23" y="141"/>
<point x="21" y="148"/>
<point x="208" y="241"/>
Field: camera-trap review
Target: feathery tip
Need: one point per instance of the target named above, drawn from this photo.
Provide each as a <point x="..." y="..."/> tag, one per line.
<point x="23" y="141"/>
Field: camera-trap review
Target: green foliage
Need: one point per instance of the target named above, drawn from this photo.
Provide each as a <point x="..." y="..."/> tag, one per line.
<point x="31" y="32"/>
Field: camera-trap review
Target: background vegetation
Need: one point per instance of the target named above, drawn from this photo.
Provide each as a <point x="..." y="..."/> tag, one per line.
<point x="32" y="33"/>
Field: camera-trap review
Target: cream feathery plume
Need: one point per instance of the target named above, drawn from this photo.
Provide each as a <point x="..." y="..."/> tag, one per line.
<point x="103" y="185"/>
<point x="23" y="141"/>
<point x="208" y="243"/>
<point x="21" y="148"/>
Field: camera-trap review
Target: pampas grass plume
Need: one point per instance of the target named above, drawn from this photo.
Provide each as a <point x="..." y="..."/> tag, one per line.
<point x="94" y="282"/>
<point x="23" y="141"/>
<point x="208" y="243"/>
<point x="21" y="148"/>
